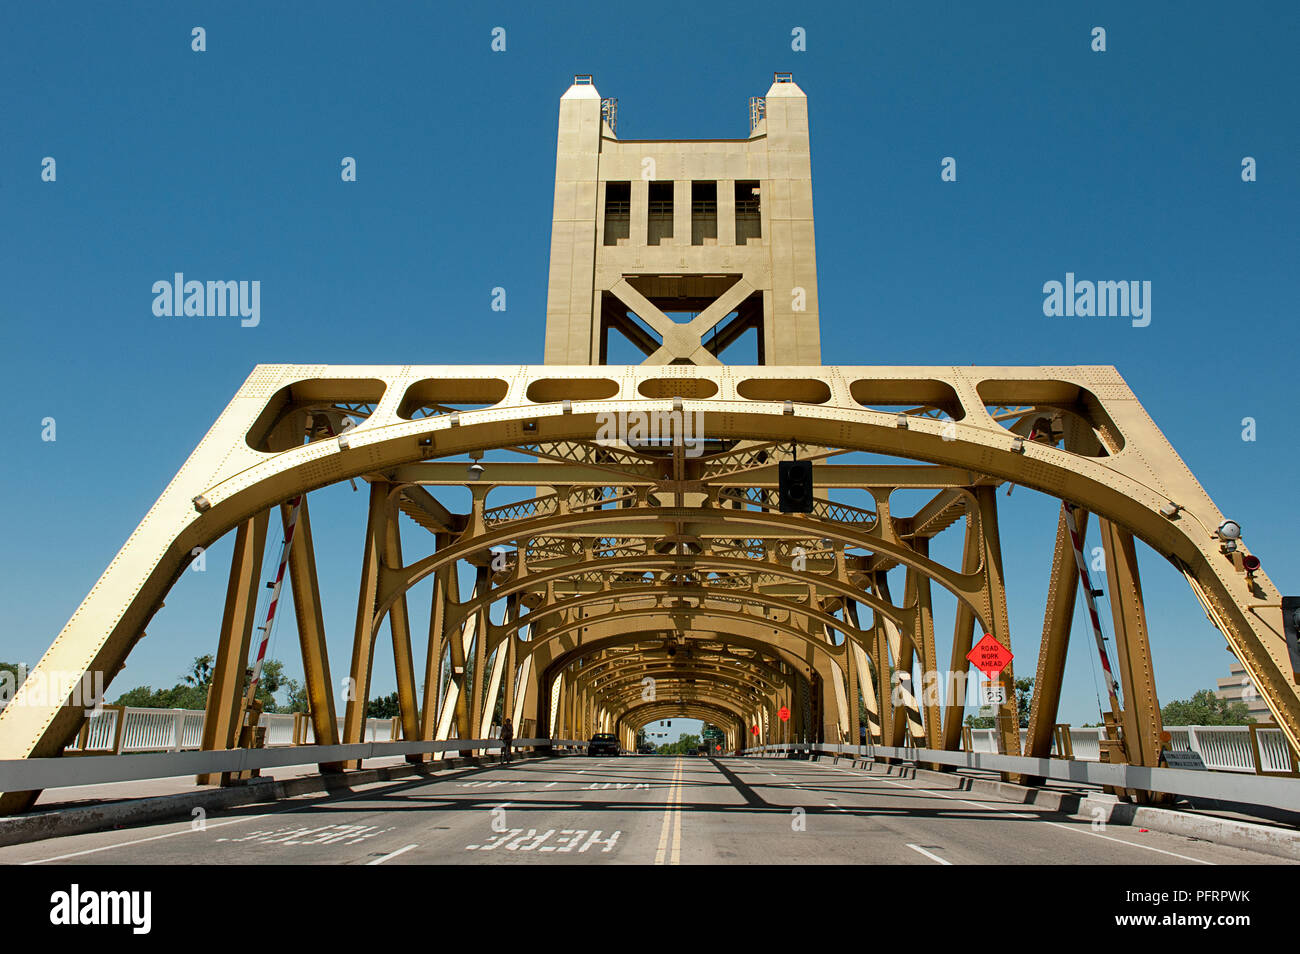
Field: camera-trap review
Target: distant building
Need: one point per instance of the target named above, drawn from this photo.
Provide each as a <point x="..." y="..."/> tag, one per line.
<point x="1237" y="687"/>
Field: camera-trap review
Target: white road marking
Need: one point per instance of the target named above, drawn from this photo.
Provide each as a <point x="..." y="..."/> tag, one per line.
<point x="1131" y="844"/>
<point x="1078" y="831"/>
<point x="929" y="854"/>
<point x="141" y="841"/>
<point x="391" y="854"/>
<point x="520" y="840"/>
<point x="323" y="835"/>
<point x="210" y="825"/>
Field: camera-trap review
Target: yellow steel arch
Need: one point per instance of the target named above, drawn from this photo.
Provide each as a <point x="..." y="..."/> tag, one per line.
<point x="1119" y="467"/>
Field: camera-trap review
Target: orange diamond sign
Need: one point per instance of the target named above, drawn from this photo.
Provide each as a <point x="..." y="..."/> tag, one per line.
<point x="989" y="656"/>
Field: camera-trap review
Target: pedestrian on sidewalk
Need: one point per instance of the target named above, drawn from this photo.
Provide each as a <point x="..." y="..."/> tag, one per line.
<point x="507" y="736"/>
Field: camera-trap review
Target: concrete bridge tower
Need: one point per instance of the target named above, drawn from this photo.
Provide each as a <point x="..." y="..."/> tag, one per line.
<point x="694" y="251"/>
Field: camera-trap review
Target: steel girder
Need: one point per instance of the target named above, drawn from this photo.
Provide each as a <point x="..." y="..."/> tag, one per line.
<point x="967" y="425"/>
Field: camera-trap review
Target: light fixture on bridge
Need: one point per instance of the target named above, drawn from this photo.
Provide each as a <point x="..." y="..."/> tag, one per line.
<point x="1229" y="532"/>
<point x="476" y="468"/>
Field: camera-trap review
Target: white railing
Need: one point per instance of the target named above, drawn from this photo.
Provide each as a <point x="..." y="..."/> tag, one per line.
<point x="1223" y="748"/>
<point x="23" y="775"/>
<point x="176" y="730"/>
<point x="1246" y="789"/>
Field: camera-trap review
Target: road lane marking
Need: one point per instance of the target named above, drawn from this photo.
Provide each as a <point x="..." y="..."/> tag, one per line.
<point x="672" y="822"/>
<point x="677" y="825"/>
<point x="929" y="854"/>
<point x="1131" y="844"/>
<point x="391" y="854"/>
<point x="666" y="830"/>
<point x="1032" y="817"/>
<point x="221" y="824"/>
<point x="516" y="839"/>
<point x="141" y="841"/>
<point x="322" y="835"/>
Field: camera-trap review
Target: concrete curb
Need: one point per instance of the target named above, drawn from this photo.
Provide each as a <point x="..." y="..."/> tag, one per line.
<point x="1266" y="839"/>
<point x="40" y="825"/>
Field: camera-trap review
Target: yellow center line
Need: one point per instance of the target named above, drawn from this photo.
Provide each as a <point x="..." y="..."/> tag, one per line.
<point x="670" y="812"/>
<point x="677" y="821"/>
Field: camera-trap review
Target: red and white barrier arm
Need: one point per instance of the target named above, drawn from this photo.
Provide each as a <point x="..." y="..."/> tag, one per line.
<point x="275" y="599"/>
<point x="1111" y="685"/>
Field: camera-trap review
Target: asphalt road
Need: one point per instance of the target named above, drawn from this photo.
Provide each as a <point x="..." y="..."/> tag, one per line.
<point x="638" y="810"/>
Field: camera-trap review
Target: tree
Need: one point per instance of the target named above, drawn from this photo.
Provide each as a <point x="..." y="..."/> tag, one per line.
<point x="684" y="745"/>
<point x="200" y="674"/>
<point x="191" y="692"/>
<point x="271" y="681"/>
<point x="980" y="722"/>
<point x="1205" y="708"/>
<point x="296" y="699"/>
<point x="1024" y="698"/>
<point x="179" y="696"/>
<point x="383" y="707"/>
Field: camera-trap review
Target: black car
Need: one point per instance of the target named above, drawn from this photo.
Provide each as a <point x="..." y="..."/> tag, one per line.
<point x="603" y="743"/>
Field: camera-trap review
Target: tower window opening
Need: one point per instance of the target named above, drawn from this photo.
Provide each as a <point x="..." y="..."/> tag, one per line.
<point x="618" y="213"/>
<point x="704" y="213"/>
<point x="660" y="221"/>
<point x="749" y="220"/>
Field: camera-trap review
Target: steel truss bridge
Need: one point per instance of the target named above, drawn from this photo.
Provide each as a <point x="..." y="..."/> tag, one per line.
<point x="600" y="579"/>
<point x="639" y="582"/>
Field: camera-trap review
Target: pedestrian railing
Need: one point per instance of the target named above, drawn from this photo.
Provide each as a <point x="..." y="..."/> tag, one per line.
<point x="1223" y="786"/>
<point x="116" y="730"/>
<point x="1254" y="749"/>
<point x="21" y="775"/>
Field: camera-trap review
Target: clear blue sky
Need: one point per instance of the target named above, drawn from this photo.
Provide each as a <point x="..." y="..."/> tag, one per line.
<point x="225" y="164"/>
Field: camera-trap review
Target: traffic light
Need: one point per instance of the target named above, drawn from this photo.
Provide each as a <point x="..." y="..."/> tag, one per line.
<point x="796" y="495"/>
<point x="1291" y="626"/>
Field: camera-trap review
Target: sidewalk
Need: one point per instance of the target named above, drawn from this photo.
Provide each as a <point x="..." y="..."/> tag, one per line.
<point x="78" y="796"/>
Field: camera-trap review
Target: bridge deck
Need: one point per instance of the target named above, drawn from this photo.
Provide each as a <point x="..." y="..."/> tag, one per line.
<point x="641" y="809"/>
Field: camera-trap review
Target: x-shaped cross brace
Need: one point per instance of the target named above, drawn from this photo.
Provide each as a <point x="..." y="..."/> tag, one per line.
<point x="682" y="340"/>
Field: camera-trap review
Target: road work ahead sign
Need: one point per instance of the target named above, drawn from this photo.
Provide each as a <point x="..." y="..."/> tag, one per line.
<point x="989" y="656"/>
